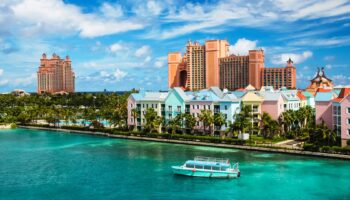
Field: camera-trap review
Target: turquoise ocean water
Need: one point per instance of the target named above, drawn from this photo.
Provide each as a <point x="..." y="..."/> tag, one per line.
<point x="54" y="165"/>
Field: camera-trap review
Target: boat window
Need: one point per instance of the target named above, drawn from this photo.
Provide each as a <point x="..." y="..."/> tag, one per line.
<point x="207" y="167"/>
<point x="216" y="168"/>
<point x="198" y="166"/>
<point x="189" y="166"/>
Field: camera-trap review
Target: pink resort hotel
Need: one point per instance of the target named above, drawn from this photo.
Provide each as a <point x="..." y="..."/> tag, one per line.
<point x="55" y="75"/>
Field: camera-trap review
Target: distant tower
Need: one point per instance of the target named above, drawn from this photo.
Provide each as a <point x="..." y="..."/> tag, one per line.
<point x="55" y="75"/>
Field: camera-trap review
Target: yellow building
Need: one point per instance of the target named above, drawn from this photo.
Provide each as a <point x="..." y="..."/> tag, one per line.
<point x="254" y="101"/>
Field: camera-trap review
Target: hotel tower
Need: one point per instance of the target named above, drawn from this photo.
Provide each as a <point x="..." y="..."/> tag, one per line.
<point x="55" y="75"/>
<point x="205" y="66"/>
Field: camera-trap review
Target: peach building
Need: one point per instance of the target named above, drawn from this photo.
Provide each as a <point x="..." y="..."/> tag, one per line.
<point x="199" y="67"/>
<point x="280" y="76"/>
<point x="240" y="71"/>
<point x="55" y="75"/>
<point x="209" y="65"/>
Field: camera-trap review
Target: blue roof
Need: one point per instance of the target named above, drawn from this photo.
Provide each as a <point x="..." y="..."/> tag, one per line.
<point x="239" y="94"/>
<point x="205" y="95"/>
<point x="324" y="96"/>
<point x="137" y="96"/>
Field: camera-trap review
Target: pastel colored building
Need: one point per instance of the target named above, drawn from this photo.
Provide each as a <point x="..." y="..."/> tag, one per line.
<point x="142" y="101"/>
<point x="323" y="107"/>
<point x="55" y="75"/>
<point x="291" y="100"/>
<point x="310" y="99"/>
<point x="341" y="115"/>
<point x="175" y="103"/>
<point x="273" y="104"/>
<point x="302" y="99"/>
<point x="254" y="101"/>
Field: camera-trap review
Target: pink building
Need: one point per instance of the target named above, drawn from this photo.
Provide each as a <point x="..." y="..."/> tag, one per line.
<point x="273" y="104"/>
<point x="55" y="75"/>
<point x="323" y="107"/>
<point x="341" y="115"/>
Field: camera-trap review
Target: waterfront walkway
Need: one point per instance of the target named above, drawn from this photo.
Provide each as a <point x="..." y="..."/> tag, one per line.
<point x="244" y="147"/>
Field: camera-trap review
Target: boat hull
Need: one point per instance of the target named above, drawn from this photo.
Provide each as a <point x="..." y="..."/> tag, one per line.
<point x="178" y="170"/>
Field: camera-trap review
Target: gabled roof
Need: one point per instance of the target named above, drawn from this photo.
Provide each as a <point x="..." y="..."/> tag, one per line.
<point x="239" y="94"/>
<point x="137" y="96"/>
<point x="290" y="95"/>
<point x="217" y="91"/>
<point x="301" y="96"/>
<point x="251" y="96"/>
<point x="181" y="92"/>
<point x="344" y="92"/>
<point x="324" y="96"/>
<point x="205" y="95"/>
<point x="270" y="96"/>
<point x="154" y="96"/>
<point x="250" y="87"/>
<point x="308" y="94"/>
<point x="228" y="98"/>
<point x="267" y="89"/>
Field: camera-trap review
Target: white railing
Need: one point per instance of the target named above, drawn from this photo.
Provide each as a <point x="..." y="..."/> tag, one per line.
<point x="211" y="159"/>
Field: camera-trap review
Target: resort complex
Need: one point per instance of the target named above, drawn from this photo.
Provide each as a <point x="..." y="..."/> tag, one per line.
<point x="55" y="75"/>
<point x="330" y="104"/>
<point x="210" y="65"/>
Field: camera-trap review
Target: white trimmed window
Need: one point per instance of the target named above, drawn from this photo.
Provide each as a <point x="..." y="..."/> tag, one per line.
<point x="348" y="131"/>
<point x="348" y="110"/>
<point x="348" y="120"/>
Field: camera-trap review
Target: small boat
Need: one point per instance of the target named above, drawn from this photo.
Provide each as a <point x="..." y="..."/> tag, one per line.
<point x="208" y="167"/>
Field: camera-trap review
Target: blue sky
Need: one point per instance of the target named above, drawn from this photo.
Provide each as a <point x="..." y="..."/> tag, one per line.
<point x="120" y="45"/>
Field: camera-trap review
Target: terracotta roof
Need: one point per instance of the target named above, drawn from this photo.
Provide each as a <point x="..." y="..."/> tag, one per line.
<point x="323" y="90"/>
<point x="343" y="94"/>
<point x="301" y="96"/>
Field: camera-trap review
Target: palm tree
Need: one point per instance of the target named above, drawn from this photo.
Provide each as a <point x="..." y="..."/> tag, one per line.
<point x="207" y="118"/>
<point x="135" y="115"/>
<point x="243" y="120"/>
<point x="153" y="121"/>
<point x="219" y="120"/>
<point x="189" y="121"/>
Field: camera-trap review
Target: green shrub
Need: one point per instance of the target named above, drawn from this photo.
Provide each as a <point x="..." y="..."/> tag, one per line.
<point x="310" y="147"/>
<point x="13" y="125"/>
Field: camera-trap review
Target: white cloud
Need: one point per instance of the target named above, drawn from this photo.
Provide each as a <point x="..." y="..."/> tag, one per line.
<point x="24" y="81"/>
<point x="142" y="51"/>
<point x="329" y="58"/>
<point x="119" y="74"/>
<point x="335" y="41"/>
<point x="1" y="72"/>
<point x="329" y="66"/>
<point x="147" y="59"/>
<point x="37" y="17"/>
<point x="116" y="47"/>
<point x="112" y="10"/>
<point x="4" y="82"/>
<point x="242" y="46"/>
<point x="160" y="62"/>
<point x="297" y="58"/>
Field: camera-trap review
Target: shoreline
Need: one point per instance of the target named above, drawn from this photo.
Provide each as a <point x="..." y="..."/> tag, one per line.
<point x="173" y="141"/>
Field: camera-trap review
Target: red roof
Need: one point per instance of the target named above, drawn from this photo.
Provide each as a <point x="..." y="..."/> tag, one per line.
<point x="241" y="89"/>
<point x="323" y="90"/>
<point x="343" y="94"/>
<point x="301" y="96"/>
